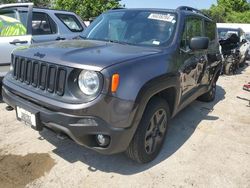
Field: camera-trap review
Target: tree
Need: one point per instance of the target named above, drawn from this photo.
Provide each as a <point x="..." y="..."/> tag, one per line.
<point x="235" y="5"/>
<point x="41" y="3"/>
<point x="87" y="8"/>
<point x="7" y="1"/>
<point x="237" y="11"/>
<point x="239" y="17"/>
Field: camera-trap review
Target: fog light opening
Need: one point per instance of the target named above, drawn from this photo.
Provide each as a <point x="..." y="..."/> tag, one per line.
<point x="103" y="140"/>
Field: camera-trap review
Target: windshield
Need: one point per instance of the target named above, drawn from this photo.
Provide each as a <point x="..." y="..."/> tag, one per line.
<point x="226" y="33"/>
<point x="133" y="27"/>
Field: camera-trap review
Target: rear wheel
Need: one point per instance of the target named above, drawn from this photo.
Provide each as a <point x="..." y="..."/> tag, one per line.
<point x="0" y="90"/>
<point x="210" y="95"/>
<point x="150" y="134"/>
<point x="241" y="65"/>
<point x="230" y="69"/>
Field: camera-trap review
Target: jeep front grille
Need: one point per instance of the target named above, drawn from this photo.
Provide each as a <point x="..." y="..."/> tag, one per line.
<point x="42" y="75"/>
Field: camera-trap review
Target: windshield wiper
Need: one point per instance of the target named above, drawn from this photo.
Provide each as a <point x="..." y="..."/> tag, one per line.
<point x="108" y="40"/>
<point x="118" y="42"/>
<point x="82" y="37"/>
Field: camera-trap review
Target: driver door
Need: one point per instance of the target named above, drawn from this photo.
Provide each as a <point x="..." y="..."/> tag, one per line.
<point x="193" y="62"/>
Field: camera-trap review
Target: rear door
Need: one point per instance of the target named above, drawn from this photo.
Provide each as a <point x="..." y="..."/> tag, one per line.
<point x="10" y="38"/>
<point x="214" y="56"/>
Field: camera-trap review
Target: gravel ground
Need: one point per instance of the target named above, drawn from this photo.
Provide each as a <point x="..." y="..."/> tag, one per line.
<point x="207" y="146"/>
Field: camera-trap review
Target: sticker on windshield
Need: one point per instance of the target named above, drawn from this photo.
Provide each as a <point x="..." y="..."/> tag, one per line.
<point x="155" y="42"/>
<point x="161" y="17"/>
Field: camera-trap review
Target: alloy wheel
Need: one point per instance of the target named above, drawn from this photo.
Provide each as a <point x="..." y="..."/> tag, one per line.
<point x="156" y="131"/>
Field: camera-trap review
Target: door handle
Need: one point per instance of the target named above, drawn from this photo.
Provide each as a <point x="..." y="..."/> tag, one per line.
<point x="60" y="38"/>
<point x="14" y="42"/>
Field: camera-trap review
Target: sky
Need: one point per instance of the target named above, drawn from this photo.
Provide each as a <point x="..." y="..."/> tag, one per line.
<point x="168" y="4"/>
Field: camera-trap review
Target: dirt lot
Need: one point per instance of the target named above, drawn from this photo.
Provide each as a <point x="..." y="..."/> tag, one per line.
<point x="208" y="145"/>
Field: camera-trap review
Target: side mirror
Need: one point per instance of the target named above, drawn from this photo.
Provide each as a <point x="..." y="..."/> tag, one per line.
<point x="199" y="43"/>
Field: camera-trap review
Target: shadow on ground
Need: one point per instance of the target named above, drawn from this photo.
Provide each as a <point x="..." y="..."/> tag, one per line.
<point x="180" y="130"/>
<point x="1" y="99"/>
<point x="241" y="70"/>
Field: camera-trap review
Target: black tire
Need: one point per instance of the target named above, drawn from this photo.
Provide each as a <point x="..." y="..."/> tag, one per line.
<point x="151" y="132"/>
<point x="241" y="65"/>
<point x="1" y="90"/>
<point x="229" y="69"/>
<point x="210" y="95"/>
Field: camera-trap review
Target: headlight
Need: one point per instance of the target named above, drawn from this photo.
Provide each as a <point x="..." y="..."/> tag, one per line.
<point x="89" y="82"/>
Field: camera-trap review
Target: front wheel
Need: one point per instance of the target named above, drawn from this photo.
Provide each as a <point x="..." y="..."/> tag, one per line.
<point x="150" y="134"/>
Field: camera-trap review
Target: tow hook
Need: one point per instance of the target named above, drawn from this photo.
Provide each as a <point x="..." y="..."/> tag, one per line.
<point x="9" y="108"/>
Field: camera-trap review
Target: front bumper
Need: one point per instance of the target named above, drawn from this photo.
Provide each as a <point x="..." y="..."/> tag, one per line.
<point x="82" y="129"/>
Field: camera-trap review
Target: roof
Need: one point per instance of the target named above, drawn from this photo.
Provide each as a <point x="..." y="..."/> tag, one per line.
<point x="53" y="10"/>
<point x="15" y="5"/>
<point x="24" y="5"/>
<point x="143" y="9"/>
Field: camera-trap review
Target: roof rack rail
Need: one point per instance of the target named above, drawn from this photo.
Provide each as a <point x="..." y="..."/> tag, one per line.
<point x="192" y="10"/>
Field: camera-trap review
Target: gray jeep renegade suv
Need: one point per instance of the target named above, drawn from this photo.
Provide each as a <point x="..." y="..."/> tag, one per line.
<point x="116" y="89"/>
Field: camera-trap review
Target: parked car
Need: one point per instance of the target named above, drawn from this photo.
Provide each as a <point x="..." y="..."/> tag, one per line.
<point x="235" y="54"/>
<point x="248" y="51"/>
<point x="231" y="54"/>
<point x="248" y="36"/>
<point x="116" y="89"/>
<point x="37" y="25"/>
<point x="248" y="54"/>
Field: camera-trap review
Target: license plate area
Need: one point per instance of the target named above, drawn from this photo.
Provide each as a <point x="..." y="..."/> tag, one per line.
<point x="29" y="118"/>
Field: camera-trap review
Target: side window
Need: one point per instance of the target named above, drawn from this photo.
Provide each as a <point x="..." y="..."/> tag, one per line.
<point x="9" y="13"/>
<point x="210" y="30"/>
<point x="42" y="24"/>
<point x="13" y="23"/>
<point x="193" y="28"/>
<point x="71" y="22"/>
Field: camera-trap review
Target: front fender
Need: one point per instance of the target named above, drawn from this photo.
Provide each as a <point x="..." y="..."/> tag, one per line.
<point x="142" y="78"/>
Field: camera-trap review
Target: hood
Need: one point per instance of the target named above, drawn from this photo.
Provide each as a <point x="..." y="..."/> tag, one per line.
<point x="84" y="54"/>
